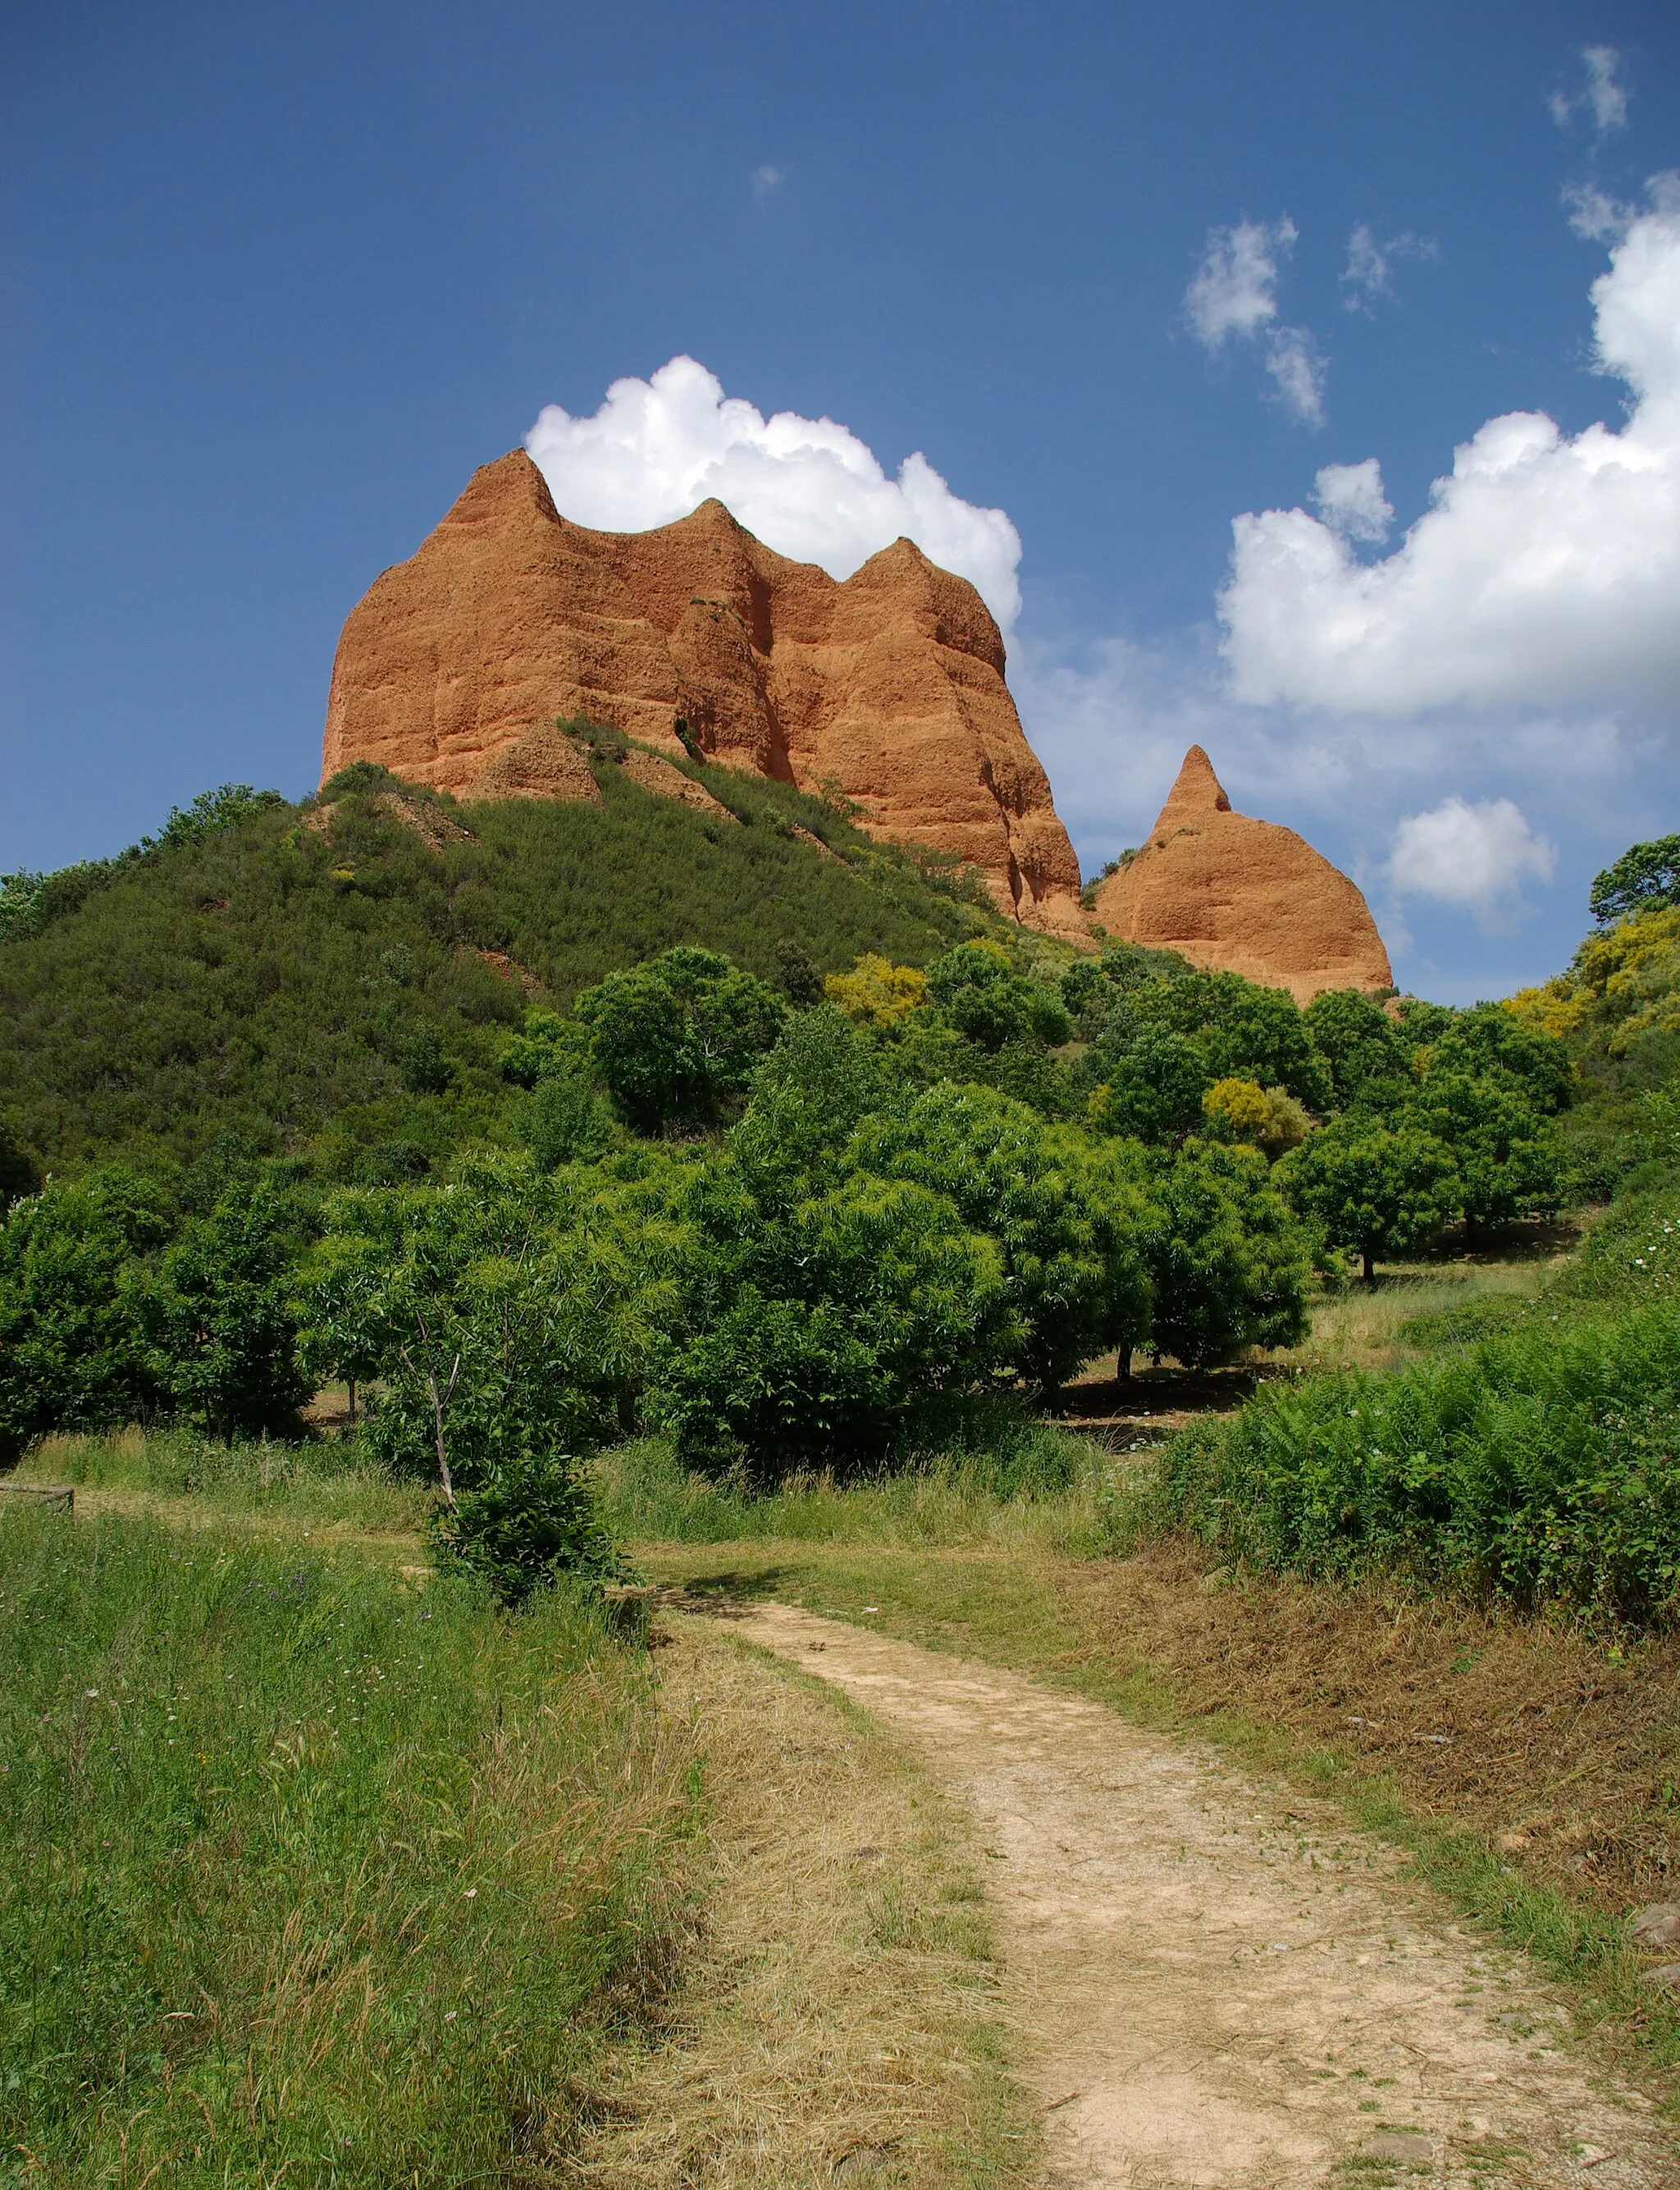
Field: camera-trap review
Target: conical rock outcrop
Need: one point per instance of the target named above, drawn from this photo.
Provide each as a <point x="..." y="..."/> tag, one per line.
<point x="888" y="687"/>
<point x="1242" y="896"/>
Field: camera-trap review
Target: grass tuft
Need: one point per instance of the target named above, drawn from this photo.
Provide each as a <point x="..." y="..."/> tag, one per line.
<point x="308" y="1876"/>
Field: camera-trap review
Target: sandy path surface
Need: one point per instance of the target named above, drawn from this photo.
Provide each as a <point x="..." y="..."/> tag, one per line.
<point x="1220" y="1983"/>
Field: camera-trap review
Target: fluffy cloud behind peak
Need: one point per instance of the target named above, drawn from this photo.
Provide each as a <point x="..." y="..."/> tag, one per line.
<point x="809" y="488"/>
<point x="1477" y="855"/>
<point x="1546" y="571"/>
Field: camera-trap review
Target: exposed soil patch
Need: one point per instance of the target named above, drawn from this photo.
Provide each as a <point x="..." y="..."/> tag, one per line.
<point x="1564" y="1750"/>
<point x="1223" y="1986"/>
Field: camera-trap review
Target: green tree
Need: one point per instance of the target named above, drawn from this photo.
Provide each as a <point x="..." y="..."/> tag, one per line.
<point x="825" y="1336"/>
<point x="1152" y="1087"/>
<point x="1228" y="1263"/>
<point x="1369" y="1068"/>
<point x="425" y="1069"/>
<point x="73" y="1352"/>
<point x="989" y="1004"/>
<point x="505" y="1309"/>
<point x="824" y="1076"/>
<point x="217" y="1311"/>
<point x="1506" y="1158"/>
<point x="1489" y="1042"/>
<point x="1376" y="1191"/>
<point x="674" y="1038"/>
<point x="566" y="1120"/>
<point x="1243" y="1031"/>
<point x="1645" y="876"/>
<point x="513" y="1319"/>
<point x="797" y="973"/>
<point x="1071" y="1218"/>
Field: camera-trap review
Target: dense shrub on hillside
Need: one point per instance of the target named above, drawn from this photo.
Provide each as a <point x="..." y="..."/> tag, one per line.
<point x="340" y="976"/>
<point x="1541" y="1463"/>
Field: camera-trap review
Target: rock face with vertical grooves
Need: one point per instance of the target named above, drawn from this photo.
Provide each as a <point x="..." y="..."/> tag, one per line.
<point x="888" y="688"/>
<point x="1242" y="896"/>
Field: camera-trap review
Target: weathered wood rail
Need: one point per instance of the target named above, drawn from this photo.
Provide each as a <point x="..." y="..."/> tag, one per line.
<point x="43" y="1493"/>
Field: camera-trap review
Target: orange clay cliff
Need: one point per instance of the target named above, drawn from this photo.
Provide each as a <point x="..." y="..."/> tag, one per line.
<point x="1243" y="896"/>
<point x="888" y="688"/>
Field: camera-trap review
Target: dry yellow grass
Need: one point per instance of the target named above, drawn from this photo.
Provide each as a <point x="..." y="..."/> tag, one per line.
<point x="838" y="2019"/>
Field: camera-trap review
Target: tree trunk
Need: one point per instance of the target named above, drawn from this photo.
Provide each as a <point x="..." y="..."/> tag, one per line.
<point x="351" y="1381"/>
<point x="1370" y="1266"/>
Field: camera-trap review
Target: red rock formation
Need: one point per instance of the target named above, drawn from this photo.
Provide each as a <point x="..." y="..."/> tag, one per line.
<point x="1242" y="896"/>
<point x="888" y="688"/>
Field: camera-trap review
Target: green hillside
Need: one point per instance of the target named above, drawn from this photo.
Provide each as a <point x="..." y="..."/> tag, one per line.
<point x="358" y="959"/>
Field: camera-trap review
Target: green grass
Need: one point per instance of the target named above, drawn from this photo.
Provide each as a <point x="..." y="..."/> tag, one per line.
<point x="327" y="1483"/>
<point x="1377" y="1326"/>
<point x="1037" y="1486"/>
<point x="307" y="1877"/>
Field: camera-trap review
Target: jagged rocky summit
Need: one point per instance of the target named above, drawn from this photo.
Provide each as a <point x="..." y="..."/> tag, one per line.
<point x="888" y="688"/>
<point x="1242" y="896"/>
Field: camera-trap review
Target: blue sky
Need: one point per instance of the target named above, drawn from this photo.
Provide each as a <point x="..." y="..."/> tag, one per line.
<point x="275" y="281"/>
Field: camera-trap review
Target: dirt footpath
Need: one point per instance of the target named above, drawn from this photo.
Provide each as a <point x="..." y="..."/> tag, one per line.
<point x="1221" y="1986"/>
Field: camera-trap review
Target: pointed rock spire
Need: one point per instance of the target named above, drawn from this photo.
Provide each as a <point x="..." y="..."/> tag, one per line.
<point x="1197" y="790"/>
<point x="1242" y="896"/>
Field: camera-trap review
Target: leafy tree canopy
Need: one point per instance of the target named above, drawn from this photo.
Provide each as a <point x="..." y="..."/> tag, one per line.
<point x="1369" y="1065"/>
<point x="1377" y="1191"/>
<point x="1490" y="1041"/>
<point x="1646" y="877"/>
<point x="676" y="1038"/>
<point x="1228" y="1265"/>
<point x="1506" y="1159"/>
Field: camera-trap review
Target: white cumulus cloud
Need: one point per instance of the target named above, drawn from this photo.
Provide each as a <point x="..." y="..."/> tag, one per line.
<point x="1545" y="572"/>
<point x="1233" y="297"/>
<point x="807" y="487"/>
<point x="1602" y="95"/>
<point x="1476" y="855"/>
<point x="1352" y="500"/>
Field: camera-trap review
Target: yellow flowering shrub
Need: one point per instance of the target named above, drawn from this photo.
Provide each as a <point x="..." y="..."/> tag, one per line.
<point x="876" y="992"/>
